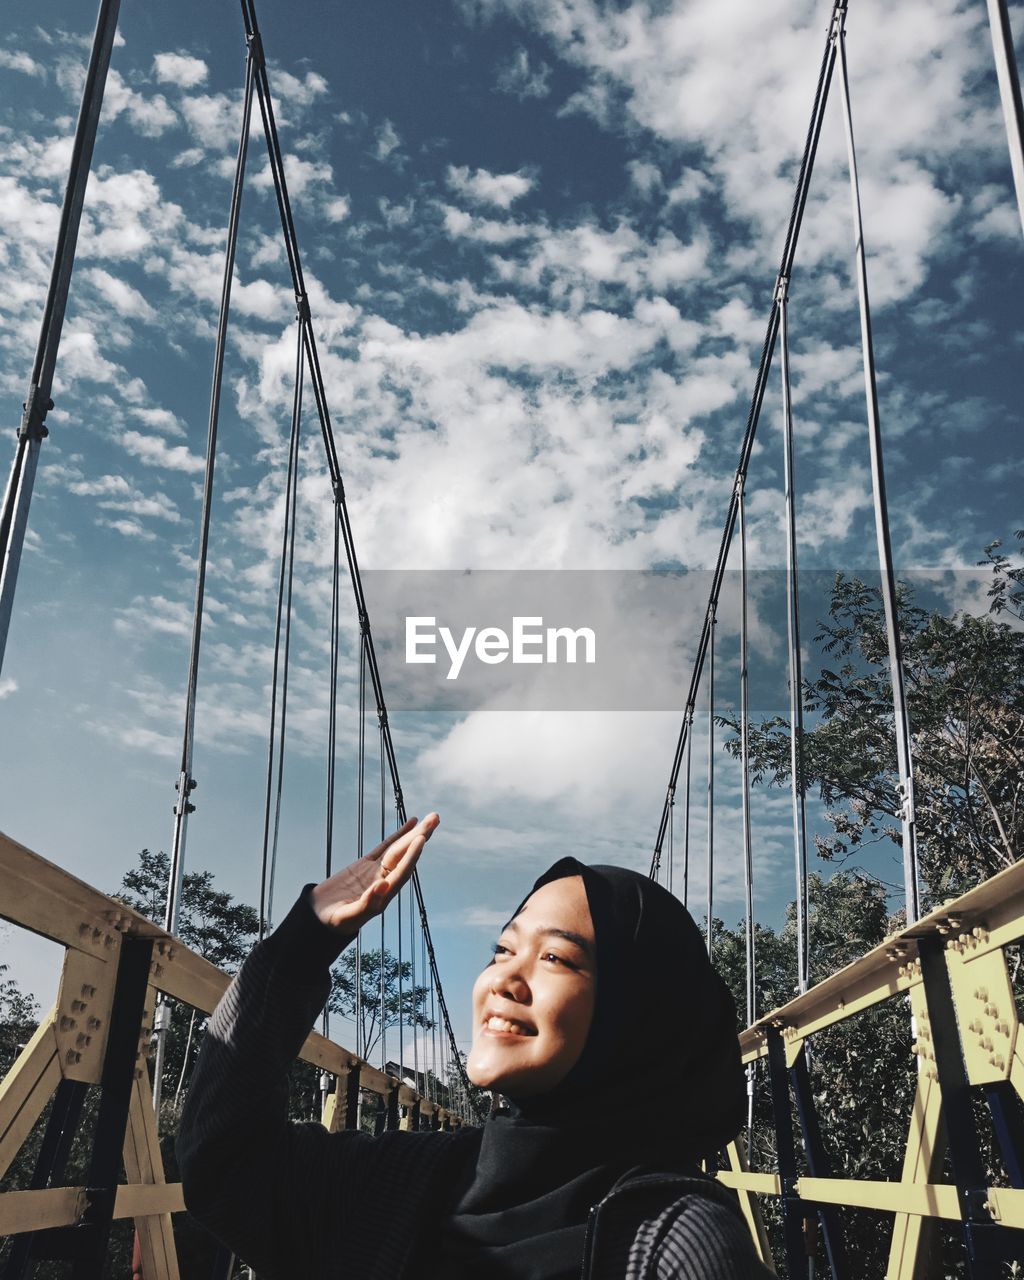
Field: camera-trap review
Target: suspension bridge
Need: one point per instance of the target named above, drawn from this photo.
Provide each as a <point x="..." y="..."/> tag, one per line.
<point x="105" y="1035"/>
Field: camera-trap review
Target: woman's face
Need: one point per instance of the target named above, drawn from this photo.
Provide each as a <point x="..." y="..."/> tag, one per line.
<point x="532" y="1006"/>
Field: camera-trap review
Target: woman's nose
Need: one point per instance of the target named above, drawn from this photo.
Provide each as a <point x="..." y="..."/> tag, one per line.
<point x="510" y="984"/>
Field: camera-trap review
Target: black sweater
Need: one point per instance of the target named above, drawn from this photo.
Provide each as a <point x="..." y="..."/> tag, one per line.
<point x="294" y="1201"/>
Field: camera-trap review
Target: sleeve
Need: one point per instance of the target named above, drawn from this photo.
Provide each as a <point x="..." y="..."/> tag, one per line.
<point x="699" y="1238"/>
<point x="259" y="1181"/>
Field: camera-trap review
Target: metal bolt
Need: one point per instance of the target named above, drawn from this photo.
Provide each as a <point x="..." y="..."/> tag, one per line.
<point x="67" y="1024"/>
<point x="93" y="1024"/>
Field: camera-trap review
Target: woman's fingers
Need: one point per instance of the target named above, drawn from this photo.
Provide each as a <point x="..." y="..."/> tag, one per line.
<point x="360" y="891"/>
<point x="384" y="845"/>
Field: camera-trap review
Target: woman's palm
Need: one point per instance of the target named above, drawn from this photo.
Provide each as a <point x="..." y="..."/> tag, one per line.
<point x="354" y="895"/>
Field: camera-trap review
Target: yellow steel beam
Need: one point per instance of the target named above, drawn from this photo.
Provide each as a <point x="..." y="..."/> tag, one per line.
<point x="27" y="1088"/>
<point x="36" y="1210"/>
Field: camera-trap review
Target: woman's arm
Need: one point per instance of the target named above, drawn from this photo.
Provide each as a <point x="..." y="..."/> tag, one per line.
<point x="274" y="1190"/>
<point x="254" y="1178"/>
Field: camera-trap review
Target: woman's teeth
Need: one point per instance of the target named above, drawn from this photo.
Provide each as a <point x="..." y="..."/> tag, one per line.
<point x="503" y="1024"/>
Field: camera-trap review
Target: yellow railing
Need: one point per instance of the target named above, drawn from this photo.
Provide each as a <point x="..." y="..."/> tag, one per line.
<point x="70" y="1044"/>
<point x="965" y="938"/>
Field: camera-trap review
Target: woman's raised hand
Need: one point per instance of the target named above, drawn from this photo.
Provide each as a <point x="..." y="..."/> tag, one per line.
<point x="361" y="891"/>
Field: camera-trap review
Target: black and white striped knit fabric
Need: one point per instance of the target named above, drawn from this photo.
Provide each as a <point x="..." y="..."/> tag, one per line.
<point x="294" y="1201"/>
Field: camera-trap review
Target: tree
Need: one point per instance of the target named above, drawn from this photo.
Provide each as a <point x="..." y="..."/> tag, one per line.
<point x="407" y="1006"/>
<point x="965" y="692"/>
<point x="19" y="1017"/>
<point x="210" y="921"/>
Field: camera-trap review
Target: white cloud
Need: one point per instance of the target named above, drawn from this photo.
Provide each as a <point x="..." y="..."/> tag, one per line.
<point x="298" y="92"/>
<point x="151" y="116"/>
<point x="213" y="119"/>
<point x="337" y="209"/>
<point x="18" y="60"/>
<point x="130" y="529"/>
<point x="156" y="452"/>
<point x="386" y="140"/>
<point x="522" y="77"/>
<point x="126" y="300"/>
<point x="8" y="685"/>
<point x="483" y="187"/>
<point x="159" y="420"/>
<point x="180" y="69"/>
<point x="644" y="176"/>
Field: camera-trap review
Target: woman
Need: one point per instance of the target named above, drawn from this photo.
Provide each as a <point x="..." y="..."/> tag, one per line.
<point x="600" y="1019"/>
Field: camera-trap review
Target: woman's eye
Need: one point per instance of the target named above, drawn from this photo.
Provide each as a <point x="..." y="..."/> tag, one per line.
<point x="557" y="959"/>
<point x="499" y="950"/>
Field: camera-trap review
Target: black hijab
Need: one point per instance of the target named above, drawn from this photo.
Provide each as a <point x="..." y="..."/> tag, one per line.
<point x="657" y="1086"/>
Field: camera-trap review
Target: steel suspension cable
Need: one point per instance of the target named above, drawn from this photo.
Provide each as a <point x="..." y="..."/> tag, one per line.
<point x="796" y="684"/>
<point x="901" y="716"/>
<point x="748" y="859"/>
<point x="332" y="725"/>
<point x="286" y="576"/>
<point x="332" y="732"/>
<point x="32" y="430"/>
<point x="401" y="992"/>
<point x="361" y="776"/>
<point x="753" y="417"/>
<point x="686" y="810"/>
<point x="415" y="1002"/>
<point x="186" y="783"/>
<point x="319" y="393"/>
<point x="383" y="835"/>
<point x="711" y="780"/>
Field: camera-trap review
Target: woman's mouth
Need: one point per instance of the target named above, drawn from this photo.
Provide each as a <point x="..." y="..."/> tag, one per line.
<point x="506" y="1026"/>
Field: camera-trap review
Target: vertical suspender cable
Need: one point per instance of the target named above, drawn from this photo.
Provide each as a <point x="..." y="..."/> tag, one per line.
<point x="332" y="745"/>
<point x="360" y="802"/>
<point x="748" y="859"/>
<point x="686" y="807"/>
<point x="1009" y="93"/>
<point x="332" y="723"/>
<point x="415" y="1003"/>
<point x="280" y="672"/>
<point x="383" y="834"/>
<point x="796" y="698"/>
<point x="888" y="580"/>
<point x="401" y="993"/>
<point x="186" y="783"/>
<point x="711" y="777"/>
<point x="32" y="431"/>
<point x="671" y="838"/>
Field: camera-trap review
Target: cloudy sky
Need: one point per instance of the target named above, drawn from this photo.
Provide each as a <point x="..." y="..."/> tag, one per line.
<point x="540" y="239"/>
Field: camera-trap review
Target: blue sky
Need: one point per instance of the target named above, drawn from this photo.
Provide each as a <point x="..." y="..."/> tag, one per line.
<point x="540" y="238"/>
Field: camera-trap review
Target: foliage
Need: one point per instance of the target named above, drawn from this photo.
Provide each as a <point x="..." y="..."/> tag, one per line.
<point x="406" y="1005"/>
<point x="210" y="922"/>
<point x="965" y="692"/>
<point x="19" y="1017"/>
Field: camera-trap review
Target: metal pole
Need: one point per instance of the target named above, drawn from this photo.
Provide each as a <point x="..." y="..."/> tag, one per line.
<point x="888" y="580"/>
<point x="1009" y="93"/>
<point x="186" y="783"/>
<point x="32" y="431"/>
<point x="711" y="770"/>
<point x="796" y="701"/>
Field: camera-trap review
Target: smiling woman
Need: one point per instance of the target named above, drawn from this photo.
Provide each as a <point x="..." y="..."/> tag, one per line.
<point x="599" y="990"/>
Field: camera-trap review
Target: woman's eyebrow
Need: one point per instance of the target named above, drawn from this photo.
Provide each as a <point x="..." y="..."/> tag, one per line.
<point x="548" y="931"/>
